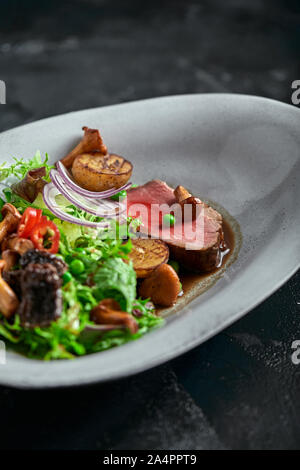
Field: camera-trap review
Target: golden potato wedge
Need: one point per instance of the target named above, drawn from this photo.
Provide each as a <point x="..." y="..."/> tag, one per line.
<point x="147" y="255"/>
<point x="97" y="172"/>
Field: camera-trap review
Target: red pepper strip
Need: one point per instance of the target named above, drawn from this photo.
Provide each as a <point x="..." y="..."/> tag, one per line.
<point x="30" y="218"/>
<point x="45" y="233"/>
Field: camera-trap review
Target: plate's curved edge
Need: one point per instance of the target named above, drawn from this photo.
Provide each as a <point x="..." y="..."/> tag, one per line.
<point x="157" y="98"/>
<point x="35" y="383"/>
<point x="153" y="363"/>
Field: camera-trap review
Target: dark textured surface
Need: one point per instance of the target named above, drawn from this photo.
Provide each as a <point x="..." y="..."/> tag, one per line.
<point x="240" y="389"/>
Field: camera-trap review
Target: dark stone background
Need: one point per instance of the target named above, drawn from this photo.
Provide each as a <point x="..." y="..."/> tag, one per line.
<point x="239" y="390"/>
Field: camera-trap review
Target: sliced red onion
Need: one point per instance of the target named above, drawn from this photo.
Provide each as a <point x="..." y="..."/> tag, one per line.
<point x="49" y="194"/>
<point x="96" y="207"/>
<point x="64" y="173"/>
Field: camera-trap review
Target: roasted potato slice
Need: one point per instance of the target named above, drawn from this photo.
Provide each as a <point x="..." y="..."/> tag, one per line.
<point x="147" y="255"/>
<point x="97" y="172"/>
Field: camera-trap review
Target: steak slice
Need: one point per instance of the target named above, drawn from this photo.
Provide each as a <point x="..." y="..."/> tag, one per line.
<point x="196" y="244"/>
<point x="153" y="192"/>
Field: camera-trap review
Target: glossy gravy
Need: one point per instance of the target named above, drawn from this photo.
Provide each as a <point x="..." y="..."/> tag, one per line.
<point x="188" y="279"/>
<point x="194" y="284"/>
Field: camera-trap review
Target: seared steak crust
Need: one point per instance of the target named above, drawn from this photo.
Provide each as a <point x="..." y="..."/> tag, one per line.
<point x="196" y="260"/>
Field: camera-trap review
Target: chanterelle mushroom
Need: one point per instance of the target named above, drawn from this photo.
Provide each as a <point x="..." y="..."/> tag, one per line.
<point x="30" y="186"/>
<point x="108" y="311"/>
<point x="8" y="299"/>
<point x="181" y="193"/>
<point x="91" y="142"/>
<point x="11" y="258"/>
<point x="11" y="218"/>
<point x="189" y="204"/>
<point x="19" y="245"/>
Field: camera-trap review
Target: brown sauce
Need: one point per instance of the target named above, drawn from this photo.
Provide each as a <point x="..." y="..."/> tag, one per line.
<point x="194" y="284"/>
<point x="189" y="279"/>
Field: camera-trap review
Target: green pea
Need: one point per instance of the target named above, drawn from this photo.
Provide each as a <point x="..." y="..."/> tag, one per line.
<point x="174" y="264"/>
<point x="67" y="277"/>
<point x="77" y="266"/>
<point x="121" y="195"/>
<point x="169" y="220"/>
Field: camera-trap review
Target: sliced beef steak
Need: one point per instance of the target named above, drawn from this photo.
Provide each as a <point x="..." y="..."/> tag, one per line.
<point x="153" y="192"/>
<point x="195" y="242"/>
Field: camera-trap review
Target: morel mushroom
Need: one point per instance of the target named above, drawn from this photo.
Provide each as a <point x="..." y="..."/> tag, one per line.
<point x="8" y="299"/>
<point x="13" y="279"/>
<point x="41" y="302"/>
<point x="11" y="219"/>
<point x="42" y="257"/>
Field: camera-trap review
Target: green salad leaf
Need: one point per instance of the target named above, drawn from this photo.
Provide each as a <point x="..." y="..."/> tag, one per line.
<point x="116" y="279"/>
<point x="20" y="167"/>
<point x="107" y="273"/>
<point x="67" y="338"/>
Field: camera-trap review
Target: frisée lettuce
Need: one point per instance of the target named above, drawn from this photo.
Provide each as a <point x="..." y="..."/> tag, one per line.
<point x="107" y="274"/>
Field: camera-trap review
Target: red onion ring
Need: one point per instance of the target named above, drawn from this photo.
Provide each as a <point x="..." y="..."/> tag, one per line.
<point x="64" y="173"/>
<point x="49" y="193"/>
<point x="96" y="207"/>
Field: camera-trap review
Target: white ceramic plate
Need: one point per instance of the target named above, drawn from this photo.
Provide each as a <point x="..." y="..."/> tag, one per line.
<point x="240" y="151"/>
